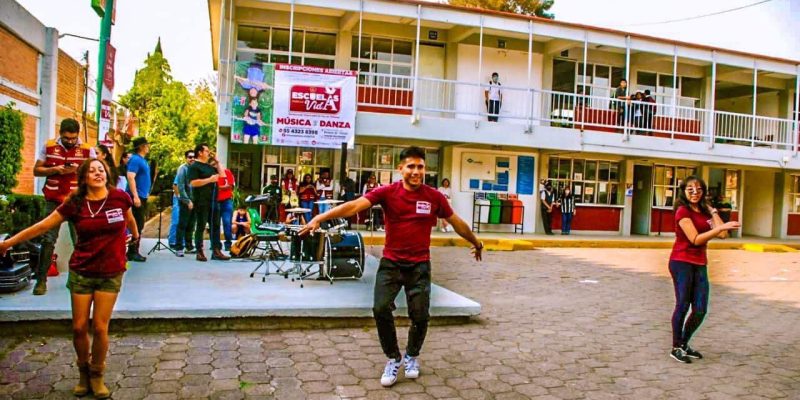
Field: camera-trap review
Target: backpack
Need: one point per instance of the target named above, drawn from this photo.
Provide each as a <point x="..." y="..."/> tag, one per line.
<point x="244" y="247"/>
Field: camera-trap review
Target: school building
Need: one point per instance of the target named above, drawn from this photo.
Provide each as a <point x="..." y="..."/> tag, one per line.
<point x="424" y="70"/>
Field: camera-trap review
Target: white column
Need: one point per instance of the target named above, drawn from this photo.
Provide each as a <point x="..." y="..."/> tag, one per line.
<point x="711" y="112"/>
<point x="796" y="135"/>
<point x="415" y="93"/>
<point x="626" y="135"/>
<point x="583" y="91"/>
<point x="674" y="90"/>
<point x="480" y="55"/>
<point x="291" y="30"/>
<point x="360" y="30"/>
<point x="755" y="103"/>
<point x="530" y="88"/>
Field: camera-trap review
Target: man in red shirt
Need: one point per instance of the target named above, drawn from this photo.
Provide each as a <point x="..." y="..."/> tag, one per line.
<point x="411" y="210"/>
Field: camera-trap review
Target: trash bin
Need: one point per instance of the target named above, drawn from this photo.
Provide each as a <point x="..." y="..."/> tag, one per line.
<point x="505" y="211"/>
<point x="516" y="211"/>
<point x="494" y="209"/>
<point x="484" y="205"/>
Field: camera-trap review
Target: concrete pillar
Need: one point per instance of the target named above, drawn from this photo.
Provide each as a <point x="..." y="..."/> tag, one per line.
<point x="227" y="57"/>
<point x="344" y="41"/>
<point x="783" y="205"/>
<point x="627" y="212"/>
<point x="48" y="84"/>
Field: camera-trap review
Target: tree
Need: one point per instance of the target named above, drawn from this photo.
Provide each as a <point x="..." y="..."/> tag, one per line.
<point x="538" y="8"/>
<point x="172" y="116"/>
<point x="11" y="141"/>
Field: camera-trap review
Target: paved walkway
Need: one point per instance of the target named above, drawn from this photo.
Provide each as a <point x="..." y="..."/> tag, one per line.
<point x="555" y="324"/>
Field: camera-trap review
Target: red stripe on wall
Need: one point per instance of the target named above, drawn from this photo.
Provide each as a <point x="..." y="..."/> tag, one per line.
<point x="793" y="227"/>
<point x="604" y="219"/>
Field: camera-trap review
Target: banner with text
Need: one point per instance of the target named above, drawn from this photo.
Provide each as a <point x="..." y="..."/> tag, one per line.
<point x="313" y="106"/>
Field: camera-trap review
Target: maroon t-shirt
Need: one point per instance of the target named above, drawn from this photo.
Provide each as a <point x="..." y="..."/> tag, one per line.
<point x="100" y="245"/>
<point x="409" y="216"/>
<point x="683" y="249"/>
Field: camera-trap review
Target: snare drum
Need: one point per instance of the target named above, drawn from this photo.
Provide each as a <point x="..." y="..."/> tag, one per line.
<point x="311" y="246"/>
<point x="344" y="259"/>
<point x="341" y="223"/>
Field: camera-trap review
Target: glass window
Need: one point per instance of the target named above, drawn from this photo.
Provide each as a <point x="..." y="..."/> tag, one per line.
<point x="552" y="170"/>
<point x="320" y="43"/>
<point x="691" y="87"/>
<point x="647" y="79"/>
<point x="318" y="62"/>
<point x="382" y="49"/>
<point x="386" y="157"/>
<point x="617" y="75"/>
<point x="368" y="155"/>
<point x="252" y="38"/>
<point x="249" y="56"/>
<point x="383" y="56"/>
<point x="667" y="183"/>
<point x="288" y="155"/>
<point x="582" y="174"/>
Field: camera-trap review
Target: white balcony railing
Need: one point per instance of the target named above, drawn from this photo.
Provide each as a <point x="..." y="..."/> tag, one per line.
<point x="528" y="106"/>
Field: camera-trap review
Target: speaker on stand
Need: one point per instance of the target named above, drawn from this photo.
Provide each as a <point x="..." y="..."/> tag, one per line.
<point x="165" y="197"/>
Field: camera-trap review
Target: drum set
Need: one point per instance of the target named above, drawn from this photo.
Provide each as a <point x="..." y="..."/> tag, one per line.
<point x="330" y="253"/>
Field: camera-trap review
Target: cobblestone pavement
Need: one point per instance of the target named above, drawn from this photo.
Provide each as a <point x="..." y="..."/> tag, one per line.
<point x="556" y="323"/>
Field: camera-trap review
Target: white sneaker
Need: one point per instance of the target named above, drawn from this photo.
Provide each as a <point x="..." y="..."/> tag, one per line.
<point x="412" y="366"/>
<point x="179" y="253"/>
<point x="390" y="372"/>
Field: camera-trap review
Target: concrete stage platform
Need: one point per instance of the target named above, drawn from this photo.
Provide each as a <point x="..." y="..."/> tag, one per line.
<point x="167" y="288"/>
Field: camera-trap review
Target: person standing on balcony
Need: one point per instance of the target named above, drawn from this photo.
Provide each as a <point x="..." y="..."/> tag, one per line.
<point x="548" y="198"/>
<point x="649" y="112"/>
<point x="412" y="208"/>
<point x="493" y="97"/>
<point x="621" y="102"/>
<point x="696" y="223"/>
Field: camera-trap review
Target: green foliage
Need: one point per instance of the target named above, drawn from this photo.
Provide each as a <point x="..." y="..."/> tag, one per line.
<point x="172" y="116"/>
<point x="538" y="8"/>
<point x="18" y="211"/>
<point x="11" y="141"/>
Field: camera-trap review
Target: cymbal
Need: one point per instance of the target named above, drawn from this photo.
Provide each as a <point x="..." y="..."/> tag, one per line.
<point x="331" y="201"/>
<point x="298" y="210"/>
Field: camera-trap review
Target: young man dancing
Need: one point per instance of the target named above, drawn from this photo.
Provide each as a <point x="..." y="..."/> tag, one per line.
<point x="411" y="210"/>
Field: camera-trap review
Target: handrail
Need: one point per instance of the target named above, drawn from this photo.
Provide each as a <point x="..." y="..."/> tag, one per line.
<point x="524" y="105"/>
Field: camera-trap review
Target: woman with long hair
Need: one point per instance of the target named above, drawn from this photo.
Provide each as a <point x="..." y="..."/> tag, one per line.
<point x="447" y="191"/>
<point x="104" y="153"/>
<point x="696" y="223"/>
<point x="100" y="213"/>
<point x="308" y="195"/>
<point x="122" y="170"/>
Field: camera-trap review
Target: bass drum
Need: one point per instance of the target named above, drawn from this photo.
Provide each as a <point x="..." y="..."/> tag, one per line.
<point x="344" y="256"/>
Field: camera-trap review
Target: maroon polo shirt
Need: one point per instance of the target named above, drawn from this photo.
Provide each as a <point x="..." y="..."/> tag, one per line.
<point x="683" y="249"/>
<point x="409" y="217"/>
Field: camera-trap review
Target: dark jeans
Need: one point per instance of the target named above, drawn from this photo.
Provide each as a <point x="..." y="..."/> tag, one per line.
<point x="691" y="289"/>
<point x="207" y="213"/>
<point x="186" y="222"/>
<point x="140" y="215"/>
<point x="493" y="107"/>
<point x="546" y="220"/>
<point x="49" y="243"/>
<point x="226" y="214"/>
<point x="566" y="223"/>
<point x="416" y="279"/>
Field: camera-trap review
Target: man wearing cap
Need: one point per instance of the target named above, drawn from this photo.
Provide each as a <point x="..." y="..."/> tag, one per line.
<point x="58" y="161"/>
<point x="138" y="188"/>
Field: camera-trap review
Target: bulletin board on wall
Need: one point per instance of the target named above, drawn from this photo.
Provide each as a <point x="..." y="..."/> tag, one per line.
<point x="481" y="172"/>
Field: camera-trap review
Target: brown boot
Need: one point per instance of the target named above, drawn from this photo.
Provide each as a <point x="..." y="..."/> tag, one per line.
<point x="218" y="255"/>
<point x="201" y="256"/>
<point x="82" y="388"/>
<point x="96" y="382"/>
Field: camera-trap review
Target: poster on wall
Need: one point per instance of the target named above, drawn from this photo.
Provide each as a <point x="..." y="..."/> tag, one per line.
<point x="251" y="111"/>
<point x="313" y="106"/>
<point x="525" y="176"/>
<point x="293" y="105"/>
